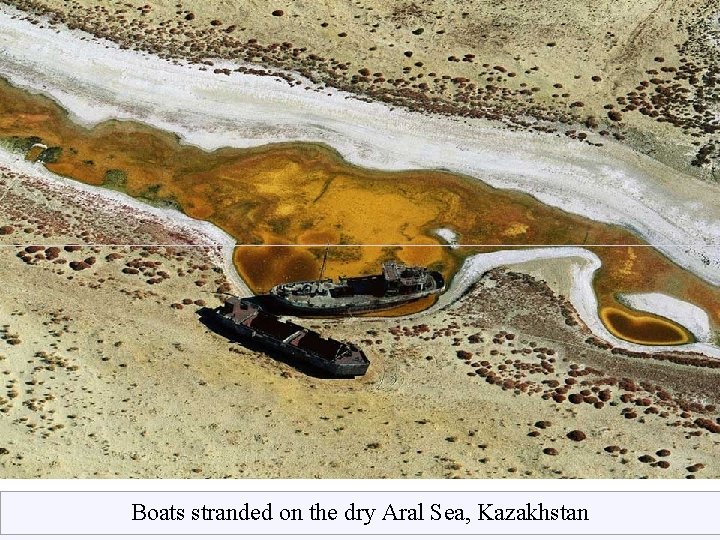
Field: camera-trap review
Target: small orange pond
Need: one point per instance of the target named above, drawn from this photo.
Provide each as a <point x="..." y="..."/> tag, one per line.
<point x="306" y="194"/>
<point x="643" y="328"/>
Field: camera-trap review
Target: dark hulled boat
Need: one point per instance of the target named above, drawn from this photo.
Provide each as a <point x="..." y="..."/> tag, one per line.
<point x="251" y="322"/>
<point x="398" y="284"/>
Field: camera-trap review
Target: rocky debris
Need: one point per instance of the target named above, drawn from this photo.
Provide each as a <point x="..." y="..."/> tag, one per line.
<point x="79" y="265"/>
<point x="708" y="424"/>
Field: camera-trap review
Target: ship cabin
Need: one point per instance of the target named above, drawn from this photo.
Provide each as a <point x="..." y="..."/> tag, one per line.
<point x="237" y="309"/>
<point x="400" y="279"/>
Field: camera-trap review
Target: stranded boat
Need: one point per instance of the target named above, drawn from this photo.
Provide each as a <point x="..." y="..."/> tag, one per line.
<point x="398" y="284"/>
<point x="251" y="322"/>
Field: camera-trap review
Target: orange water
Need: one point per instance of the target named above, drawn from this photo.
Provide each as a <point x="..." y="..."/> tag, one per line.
<point x="643" y="329"/>
<point x="306" y="194"/>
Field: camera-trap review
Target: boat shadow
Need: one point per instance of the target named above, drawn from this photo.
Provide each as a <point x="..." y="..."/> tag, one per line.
<point x="208" y="318"/>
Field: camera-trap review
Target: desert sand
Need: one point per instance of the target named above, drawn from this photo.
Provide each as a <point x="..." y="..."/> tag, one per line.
<point x="110" y="366"/>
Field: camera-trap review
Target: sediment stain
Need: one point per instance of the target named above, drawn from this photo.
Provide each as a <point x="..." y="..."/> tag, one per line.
<point x="270" y="195"/>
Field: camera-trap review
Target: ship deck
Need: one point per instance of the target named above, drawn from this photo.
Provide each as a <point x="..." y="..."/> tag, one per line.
<point x="266" y="329"/>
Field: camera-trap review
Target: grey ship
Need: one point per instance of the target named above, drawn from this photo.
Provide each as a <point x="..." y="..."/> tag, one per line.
<point x="250" y="321"/>
<point x="398" y="284"/>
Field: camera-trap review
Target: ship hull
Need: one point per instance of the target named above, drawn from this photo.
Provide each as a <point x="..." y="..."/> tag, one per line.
<point x="245" y="333"/>
<point x="358" y="308"/>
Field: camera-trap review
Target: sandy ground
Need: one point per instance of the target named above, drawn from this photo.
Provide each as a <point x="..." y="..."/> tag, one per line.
<point x="129" y="383"/>
<point x="678" y="214"/>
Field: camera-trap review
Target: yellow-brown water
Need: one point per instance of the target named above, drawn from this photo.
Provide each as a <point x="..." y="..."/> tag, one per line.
<point x="306" y="194"/>
<point x="643" y="329"/>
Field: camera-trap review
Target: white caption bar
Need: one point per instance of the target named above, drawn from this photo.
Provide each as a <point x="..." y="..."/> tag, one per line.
<point x="358" y="513"/>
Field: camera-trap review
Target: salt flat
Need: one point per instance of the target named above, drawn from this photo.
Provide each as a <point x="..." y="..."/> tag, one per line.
<point x="689" y="315"/>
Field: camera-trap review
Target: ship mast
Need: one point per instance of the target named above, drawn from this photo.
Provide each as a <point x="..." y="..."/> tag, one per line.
<point x="322" y="268"/>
